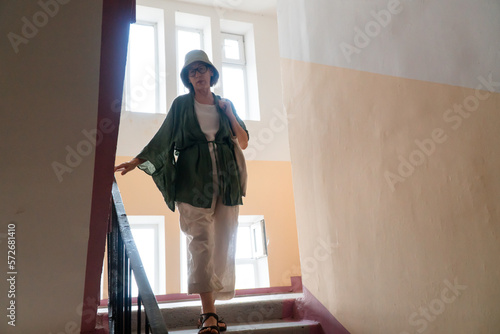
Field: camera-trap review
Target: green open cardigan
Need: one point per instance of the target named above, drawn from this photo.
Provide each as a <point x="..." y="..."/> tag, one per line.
<point x="178" y="158"/>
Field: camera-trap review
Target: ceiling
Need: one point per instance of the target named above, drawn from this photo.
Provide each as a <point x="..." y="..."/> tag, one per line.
<point x="261" y="7"/>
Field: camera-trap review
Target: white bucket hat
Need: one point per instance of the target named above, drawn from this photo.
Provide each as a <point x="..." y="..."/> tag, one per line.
<point x="194" y="56"/>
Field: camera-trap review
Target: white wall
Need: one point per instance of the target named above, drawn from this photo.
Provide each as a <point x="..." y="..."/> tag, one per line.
<point x="355" y="35"/>
<point x="49" y="90"/>
<point x="268" y="137"/>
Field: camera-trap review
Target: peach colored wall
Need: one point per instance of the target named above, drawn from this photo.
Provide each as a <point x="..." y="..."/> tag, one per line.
<point x="269" y="194"/>
<point x="408" y="255"/>
<point x="394" y="128"/>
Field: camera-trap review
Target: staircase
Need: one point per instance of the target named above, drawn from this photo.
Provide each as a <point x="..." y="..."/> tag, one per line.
<point x="256" y="314"/>
<point x="264" y="313"/>
<point x="250" y="314"/>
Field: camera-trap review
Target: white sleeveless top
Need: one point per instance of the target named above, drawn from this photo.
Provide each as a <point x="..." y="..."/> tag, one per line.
<point x="208" y="117"/>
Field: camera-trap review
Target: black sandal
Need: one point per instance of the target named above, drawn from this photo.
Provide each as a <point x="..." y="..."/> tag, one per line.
<point x="223" y="327"/>
<point x="220" y="322"/>
<point x="203" y="318"/>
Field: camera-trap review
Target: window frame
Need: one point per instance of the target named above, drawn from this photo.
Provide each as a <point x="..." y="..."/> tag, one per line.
<point x="240" y="39"/>
<point x="259" y="258"/>
<point x="237" y="64"/>
<point x="149" y="16"/>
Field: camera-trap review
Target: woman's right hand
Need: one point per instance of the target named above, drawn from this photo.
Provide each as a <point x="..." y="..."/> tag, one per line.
<point x="126" y="167"/>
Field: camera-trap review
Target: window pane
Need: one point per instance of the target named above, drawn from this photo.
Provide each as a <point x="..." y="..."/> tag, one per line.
<point x="233" y="80"/>
<point x="142" y="68"/>
<point x="186" y="41"/>
<point x="245" y="276"/>
<point x="244" y="243"/>
<point x="145" y="241"/>
<point x="231" y="49"/>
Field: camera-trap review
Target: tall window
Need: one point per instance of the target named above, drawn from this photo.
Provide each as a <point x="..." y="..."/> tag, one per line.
<point x="252" y="269"/>
<point x="187" y="40"/>
<point x="144" y="87"/>
<point x="141" y="91"/>
<point x="234" y="76"/>
<point x="149" y="237"/>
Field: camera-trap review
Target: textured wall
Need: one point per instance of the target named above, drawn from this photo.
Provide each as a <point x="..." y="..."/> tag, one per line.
<point x="393" y="130"/>
<point x="49" y="65"/>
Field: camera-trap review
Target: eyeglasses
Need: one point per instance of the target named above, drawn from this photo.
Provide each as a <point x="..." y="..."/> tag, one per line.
<point x="201" y="68"/>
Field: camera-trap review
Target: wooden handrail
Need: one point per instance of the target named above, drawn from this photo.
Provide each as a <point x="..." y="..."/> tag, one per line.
<point x="123" y="259"/>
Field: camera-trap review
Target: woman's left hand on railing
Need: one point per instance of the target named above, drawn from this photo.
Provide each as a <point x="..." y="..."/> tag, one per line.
<point x="126" y="167"/>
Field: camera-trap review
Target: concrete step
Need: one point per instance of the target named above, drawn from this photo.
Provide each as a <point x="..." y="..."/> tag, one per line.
<point x="250" y="314"/>
<point x="266" y="327"/>
<point x="239" y="310"/>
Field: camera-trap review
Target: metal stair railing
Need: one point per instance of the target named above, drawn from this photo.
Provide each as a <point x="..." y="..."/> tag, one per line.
<point x="123" y="259"/>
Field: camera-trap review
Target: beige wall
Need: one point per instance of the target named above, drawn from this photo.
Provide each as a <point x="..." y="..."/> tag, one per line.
<point x="417" y="250"/>
<point x="49" y="94"/>
<point x="269" y="194"/>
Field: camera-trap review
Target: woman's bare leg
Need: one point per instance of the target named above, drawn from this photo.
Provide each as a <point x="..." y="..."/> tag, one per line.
<point x="208" y="306"/>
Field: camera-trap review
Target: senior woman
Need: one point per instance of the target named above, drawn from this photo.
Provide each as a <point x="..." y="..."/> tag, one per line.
<point x="196" y="162"/>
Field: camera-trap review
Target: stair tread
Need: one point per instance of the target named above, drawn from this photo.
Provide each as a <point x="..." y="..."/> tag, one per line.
<point x="265" y="325"/>
<point x="181" y="304"/>
<point x="235" y="300"/>
<point x="242" y="311"/>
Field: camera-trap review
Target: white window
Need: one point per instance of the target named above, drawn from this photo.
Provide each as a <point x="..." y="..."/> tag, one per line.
<point x="144" y="87"/>
<point x="193" y="32"/>
<point x="149" y="237"/>
<point x="252" y="270"/>
<point x="251" y="265"/>
<point x="234" y="74"/>
<point x="187" y="39"/>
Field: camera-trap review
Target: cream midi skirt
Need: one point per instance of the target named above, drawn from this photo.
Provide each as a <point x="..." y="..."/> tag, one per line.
<point x="211" y="245"/>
